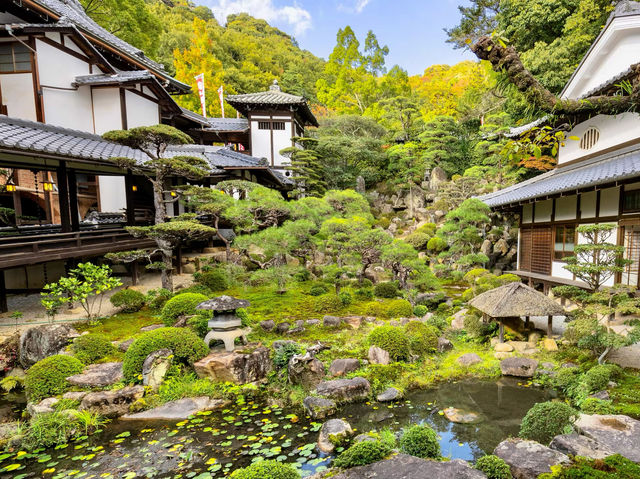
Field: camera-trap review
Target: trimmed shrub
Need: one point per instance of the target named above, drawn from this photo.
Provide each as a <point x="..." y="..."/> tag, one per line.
<point x="420" y="310"/>
<point x="327" y="303"/>
<point x="198" y="289"/>
<point x="362" y="453"/>
<point x="393" y="340"/>
<point x="398" y="308"/>
<point x="318" y="290"/>
<point x="266" y="470"/>
<point x="91" y="347"/>
<point x="386" y="290"/>
<point x="436" y="244"/>
<point x="420" y="441"/>
<point x="428" y="229"/>
<point x="363" y="294"/>
<point x="546" y="420"/>
<point x="181" y="305"/>
<point x="345" y="298"/>
<point x="422" y="337"/>
<point x="418" y="240"/>
<point x="215" y="280"/>
<point x="48" y="377"/>
<point x="128" y="300"/>
<point x="199" y="324"/>
<point x="597" y="378"/>
<point x="597" y="406"/>
<point x="493" y="467"/>
<point x="156" y="298"/>
<point x="365" y="283"/>
<point x="187" y="348"/>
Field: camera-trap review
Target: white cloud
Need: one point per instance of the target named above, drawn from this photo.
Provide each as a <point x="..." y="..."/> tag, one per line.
<point x="353" y="6"/>
<point x="297" y="17"/>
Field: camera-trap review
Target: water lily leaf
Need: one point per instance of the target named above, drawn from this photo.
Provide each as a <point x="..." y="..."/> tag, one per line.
<point x="124" y="434"/>
<point x="13" y="467"/>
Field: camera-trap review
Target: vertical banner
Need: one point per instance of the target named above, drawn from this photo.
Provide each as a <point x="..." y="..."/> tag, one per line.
<point x="200" y="83"/>
<point x="221" y="96"/>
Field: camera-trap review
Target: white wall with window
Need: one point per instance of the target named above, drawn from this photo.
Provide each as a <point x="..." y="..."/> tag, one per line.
<point x="16" y="81"/>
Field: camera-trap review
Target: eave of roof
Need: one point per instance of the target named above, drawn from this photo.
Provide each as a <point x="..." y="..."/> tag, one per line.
<point x="72" y="11"/>
<point x="609" y="168"/>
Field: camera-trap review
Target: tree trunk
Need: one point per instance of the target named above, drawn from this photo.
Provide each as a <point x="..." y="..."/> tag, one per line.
<point x="164" y="246"/>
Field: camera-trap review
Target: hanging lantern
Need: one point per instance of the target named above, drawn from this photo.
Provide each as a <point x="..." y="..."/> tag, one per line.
<point x="173" y="194"/>
<point x="47" y="185"/>
<point x="134" y="188"/>
<point x="10" y="187"/>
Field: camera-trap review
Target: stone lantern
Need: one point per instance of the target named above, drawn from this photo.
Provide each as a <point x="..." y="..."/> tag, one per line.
<point x="225" y="324"/>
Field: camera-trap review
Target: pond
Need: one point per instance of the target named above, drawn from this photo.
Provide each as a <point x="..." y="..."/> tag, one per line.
<point x="213" y="444"/>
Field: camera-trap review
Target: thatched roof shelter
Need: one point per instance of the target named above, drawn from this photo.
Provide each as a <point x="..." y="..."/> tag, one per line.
<point x="517" y="300"/>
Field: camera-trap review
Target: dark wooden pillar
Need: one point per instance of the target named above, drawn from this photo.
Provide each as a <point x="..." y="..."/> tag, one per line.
<point x="526" y="323"/>
<point x="4" y="307"/>
<point x="73" y="200"/>
<point x="501" y="330"/>
<point x="178" y="259"/>
<point x="549" y="326"/>
<point x="63" y="197"/>
<point x="131" y="209"/>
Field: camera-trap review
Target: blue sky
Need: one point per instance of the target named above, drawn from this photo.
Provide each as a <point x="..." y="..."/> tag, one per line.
<point x="411" y="28"/>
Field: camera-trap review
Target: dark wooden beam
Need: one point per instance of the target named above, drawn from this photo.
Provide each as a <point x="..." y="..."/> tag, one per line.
<point x="63" y="197"/>
<point x="4" y="307"/>
<point x="73" y="200"/>
<point x="130" y="203"/>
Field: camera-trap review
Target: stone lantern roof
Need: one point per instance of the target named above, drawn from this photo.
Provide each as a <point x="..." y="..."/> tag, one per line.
<point x="224" y="303"/>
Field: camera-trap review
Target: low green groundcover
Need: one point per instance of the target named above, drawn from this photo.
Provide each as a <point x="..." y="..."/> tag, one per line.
<point x="363" y="453"/>
<point x="266" y="470"/>
<point x="612" y="467"/>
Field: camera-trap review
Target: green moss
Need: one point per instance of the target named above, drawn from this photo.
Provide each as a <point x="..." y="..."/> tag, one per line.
<point x="327" y="303"/>
<point x="48" y="377"/>
<point x="128" y="300"/>
<point x="493" y="467"/>
<point x="391" y="339"/>
<point x="612" y="467"/>
<point x="266" y="470"/>
<point x="89" y="348"/>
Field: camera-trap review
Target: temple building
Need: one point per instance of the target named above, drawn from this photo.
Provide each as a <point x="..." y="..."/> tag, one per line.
<point x="64" y="81"/>
<point x="597" y="179"/>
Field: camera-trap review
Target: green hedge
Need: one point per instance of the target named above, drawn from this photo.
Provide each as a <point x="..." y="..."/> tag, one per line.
<point x="91" y="347"/>
<point x="386" y="290"/>
<point x="391" y="339"/>
<point x="266" y="470"/>
<point x="187" y="348"/>
<point x="422" y="338"/>
<point x="48" y="377"/>
<point x="181" y="305"/>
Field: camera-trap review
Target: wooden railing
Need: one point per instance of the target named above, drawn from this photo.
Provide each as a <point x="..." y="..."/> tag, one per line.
<point x="40" y="248"/>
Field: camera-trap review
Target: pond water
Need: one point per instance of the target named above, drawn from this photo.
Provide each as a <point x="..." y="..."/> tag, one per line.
<point x="214" y="444"/>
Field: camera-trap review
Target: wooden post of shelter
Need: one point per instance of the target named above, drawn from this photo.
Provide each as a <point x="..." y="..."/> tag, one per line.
<point x="526" y="323"/>
<point x="4" y="307"/>
<point x="73" y="200"/>
<point x="549" y="325"/>
<point x="63" y="197"/>
<point x="501" y="330"/>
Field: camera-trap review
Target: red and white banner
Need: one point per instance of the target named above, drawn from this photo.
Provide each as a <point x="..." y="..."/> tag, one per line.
<point x="200" y="83"/>
<point x="240" y="147"/>
<point x="221" y="96"/>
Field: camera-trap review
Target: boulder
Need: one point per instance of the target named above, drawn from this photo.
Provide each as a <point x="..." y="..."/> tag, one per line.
<point x="333" y="432"/>
<point x="602" y="395"/>
<point x="436" y="178"/>
<point x="503" y="348"/>
<point x="486" y="247"/>
<point x="44" y="406"/>
<point x="550" y="344"/>
<point x="354" y="322"/>
<point x="501" y="247"/>
<point x="364" y="438"/>
<point x="75" y="395"/>
<point x="469" y="359"/>
<point x="502" y="355"/>
<point x="331" y="322"/>
<point x="340" y="367"/>
<point x="124" y="345"/>
<point x="281" y="343"/>
<point x="97" y="375"/>
<point x="112" y="403"/>
<point x="389" y="394"/>
<point x="298" y="328"/>
<point x="345" y="390"/>
<point x="460" y="416"/>
<point x="237" y="366"/>
<point x="312" y="322"/>
<point x="378" y="356"/>
<point x="305" y="370"/>
<point x="155" y="368"/>
<point x="519" y="367"/>
<point x="402" y="466"/>
<point x="444" y="344"/>
<point x="44" y="341"/>
<point x="283" y="327"/>
<point x="528" y="459"/>
<point x="319" y="408"/>
<point x="152" y="327"/>
<point x="615" y="432"/>
<point x="458" y="319"/>
<point x="10" y="433"/>
<point x="268" y="325"/>
<point x="9" y="347"/>
<point x="176" y="410"/>
<point x="577" y="445"/>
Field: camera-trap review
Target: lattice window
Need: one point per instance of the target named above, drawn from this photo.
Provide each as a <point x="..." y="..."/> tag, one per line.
<point x="14" y="58"/>
<point x="630" y="275"/>
<point x="589" y="139"/>
<point x="278" y="125"/>
<point x="264" y="125"/>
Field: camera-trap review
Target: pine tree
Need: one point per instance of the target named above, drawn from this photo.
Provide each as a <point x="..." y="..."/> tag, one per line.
<point x="306" y="167"/>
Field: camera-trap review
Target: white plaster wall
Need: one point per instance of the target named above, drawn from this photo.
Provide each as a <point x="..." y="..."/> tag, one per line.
<point x="281" y="140"/>
<point x="543" y="211"/>
<point x="609" y="202"/>
<point x="106" y="107"/>
<point x="69" y="108"/>
<point x="617" y="48"/>
<point x="588" y="204"/>
<point x="112" y="194"/>
<point x="614" y="130"/>
<point x="527" y="211"/>
<point x="566" y="208"/>
<point x="612" y="239"/>
<point x="140" y="111"/>
<point x="17" y="94"/>
<point x="260" y="142"/>
<point x="558" y="270"/>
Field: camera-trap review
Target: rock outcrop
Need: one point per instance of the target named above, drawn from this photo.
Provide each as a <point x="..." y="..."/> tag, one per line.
<point x="614" y="432"/>
<point x="378" y="356"/>
<point x="176" y="410"/>
<point x="155" y="368"/>
<point x="345" y="390"/>
<point x="319" y="408"/>
<point x="112" y="403"/>
<point x="389" y="394"/>
<point x="98" y="375"/>
<point x="340" y="367"/>
<point x="333" y="433"/>
<point x="44" y="341"/>
<point x="578" y="445"/>
<point x="305" y="370"/>
<point x="235" y="366"/>
<point x="519" y="367"/>
<point x="528" y="459"/>
<point x="469" y="359"/>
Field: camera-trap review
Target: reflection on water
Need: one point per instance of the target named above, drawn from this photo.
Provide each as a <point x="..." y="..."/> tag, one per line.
<point x="215" y="444"/>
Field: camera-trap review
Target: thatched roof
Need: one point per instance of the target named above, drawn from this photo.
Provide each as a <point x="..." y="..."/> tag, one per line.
<point x="516" y="299"/>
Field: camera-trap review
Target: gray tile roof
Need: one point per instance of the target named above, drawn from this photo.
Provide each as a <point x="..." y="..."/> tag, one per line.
<point x="616" y="166"/>
<point x="607" y="84"/>
<point x="119" y="77"/>
<point x="25" y="136"/>
<point x="71" y="11"/>
<point x="228" y="124"/>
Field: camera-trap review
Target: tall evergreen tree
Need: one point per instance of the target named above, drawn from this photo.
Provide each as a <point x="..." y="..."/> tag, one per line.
<point x="306" y="167"/>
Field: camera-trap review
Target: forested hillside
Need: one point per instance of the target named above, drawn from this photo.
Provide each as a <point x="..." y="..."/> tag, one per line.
<point x="376" y="121"/>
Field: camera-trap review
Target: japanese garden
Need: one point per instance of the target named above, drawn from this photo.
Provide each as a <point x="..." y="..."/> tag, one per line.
<point x="222" y="255"/>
